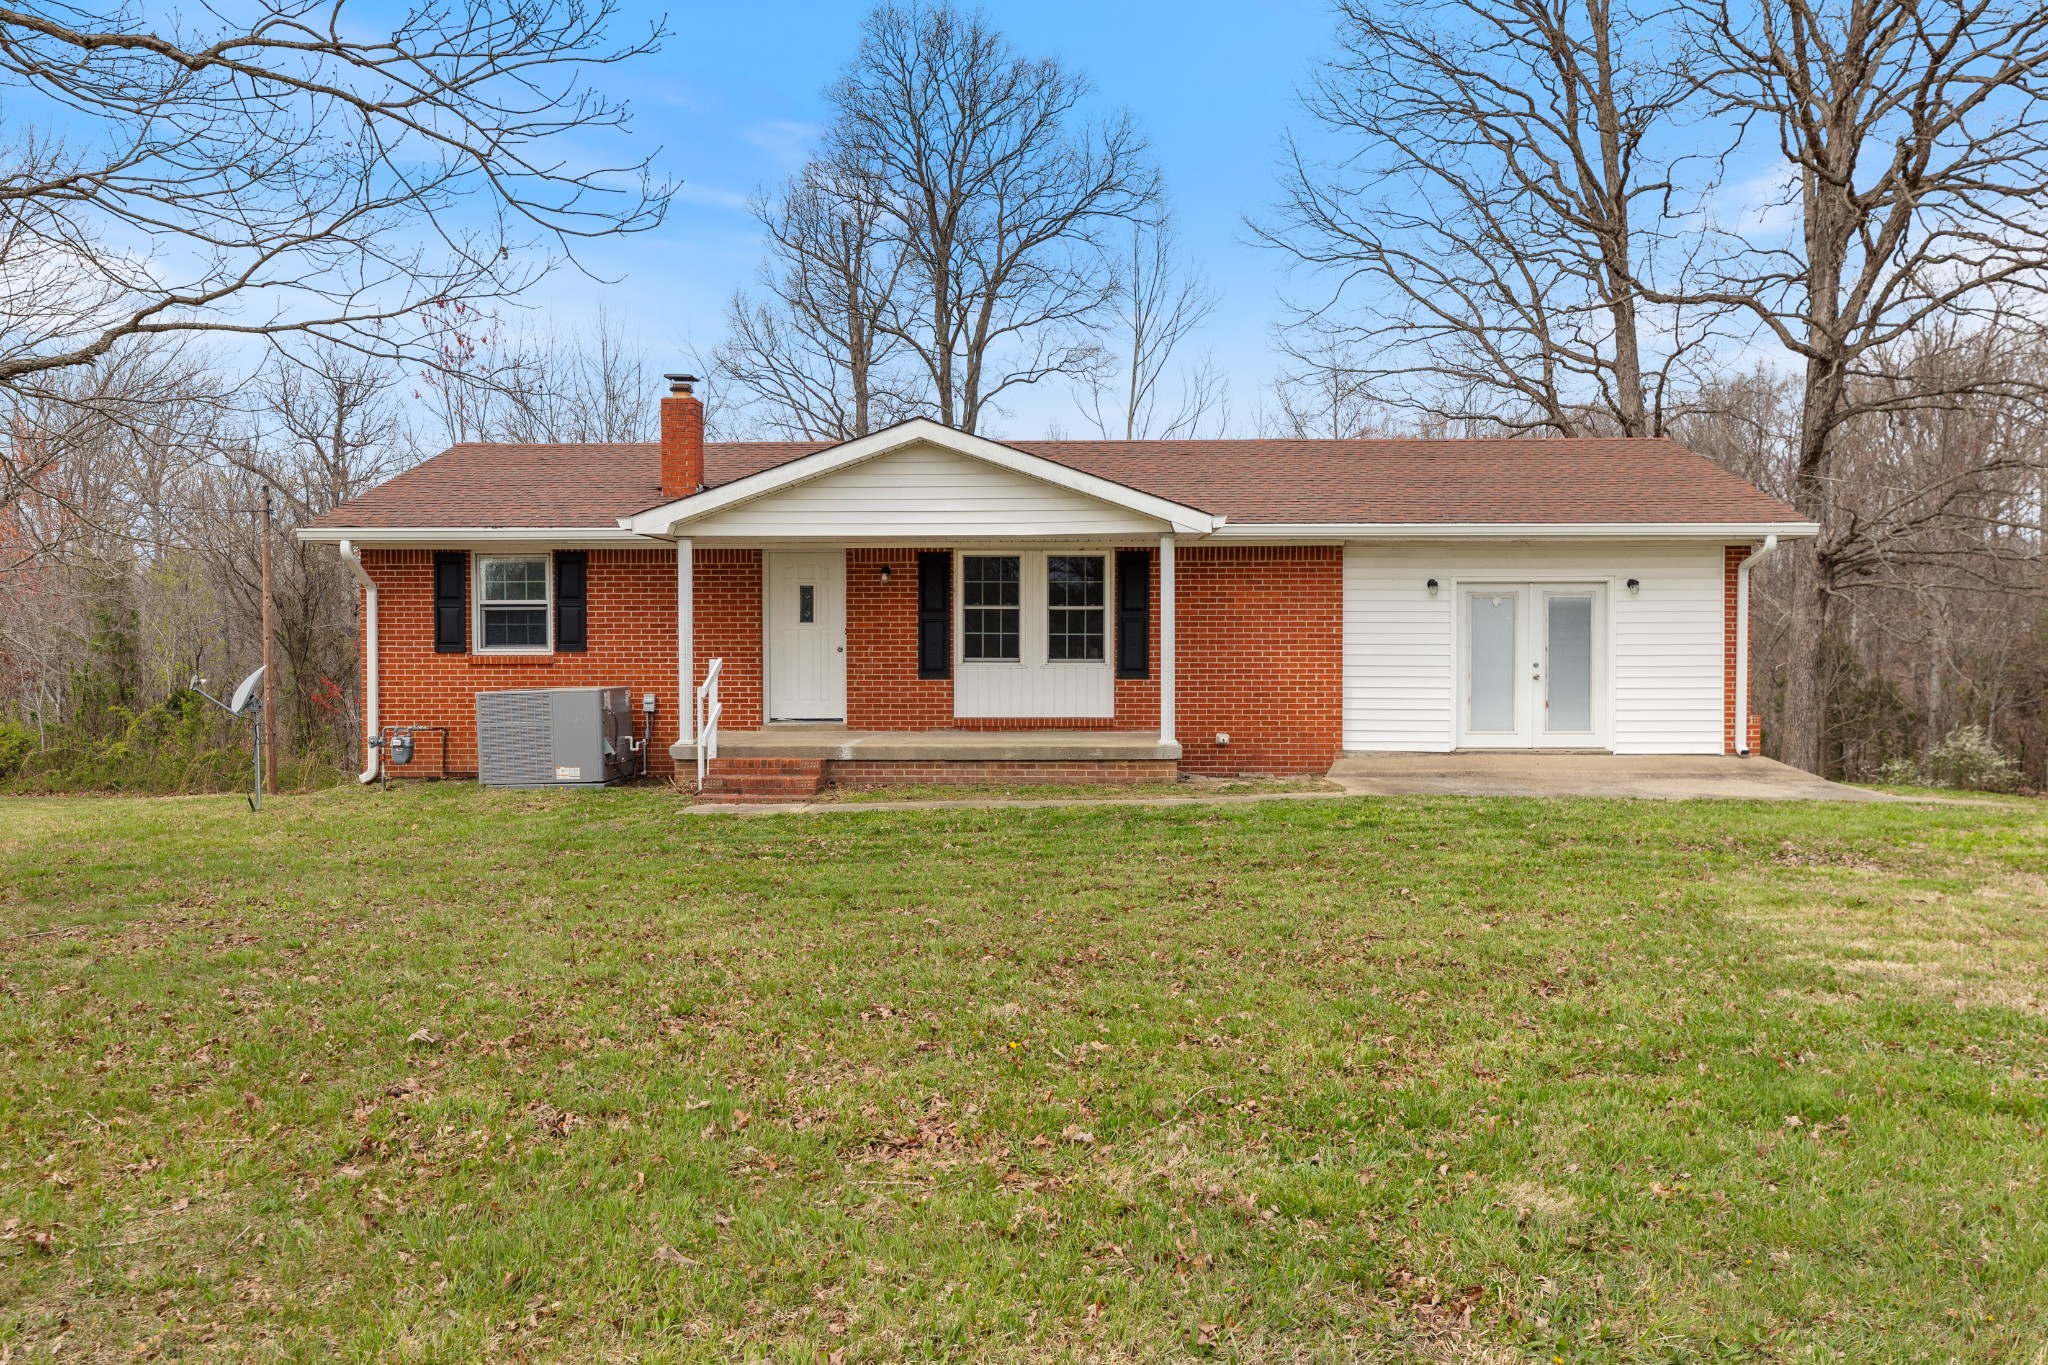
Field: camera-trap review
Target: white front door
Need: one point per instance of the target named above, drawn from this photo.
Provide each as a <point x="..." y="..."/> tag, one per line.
<point x="805" y="626"/>
<point x="1532" y="663"/>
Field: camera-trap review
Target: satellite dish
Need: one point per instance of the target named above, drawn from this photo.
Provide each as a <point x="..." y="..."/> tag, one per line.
<point x="245" y="695"/>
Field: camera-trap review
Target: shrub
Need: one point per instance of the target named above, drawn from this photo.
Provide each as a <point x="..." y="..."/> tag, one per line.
<point x="1967" y="759"/>
<point x="180" y="745"/>
<point x="1898" y="772"/>
<point x="17" y="742"/>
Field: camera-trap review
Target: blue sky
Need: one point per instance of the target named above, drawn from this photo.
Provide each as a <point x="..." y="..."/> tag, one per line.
<point x="734" y="100"/>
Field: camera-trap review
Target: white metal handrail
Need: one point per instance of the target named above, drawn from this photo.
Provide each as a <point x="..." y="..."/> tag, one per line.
<point x="709" y="709"/>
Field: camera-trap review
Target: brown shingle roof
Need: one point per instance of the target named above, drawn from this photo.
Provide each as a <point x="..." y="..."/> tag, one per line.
<point x="1387" y="482"/>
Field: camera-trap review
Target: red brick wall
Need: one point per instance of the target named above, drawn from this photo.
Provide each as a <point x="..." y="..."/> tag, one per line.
<point x="1261" y="654"/>
<point x="632" y="644"/>
<point x="1731" y="561"/>
<point x="883" y="691"/>
<point x="728" y="601"/>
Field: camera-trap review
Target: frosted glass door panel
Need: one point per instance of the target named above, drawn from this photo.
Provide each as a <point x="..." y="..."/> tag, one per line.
<point x="1568" y="675"/>
<point x="1491" y="659"/>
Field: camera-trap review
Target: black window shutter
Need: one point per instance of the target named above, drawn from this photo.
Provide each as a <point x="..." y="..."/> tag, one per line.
<point x="935" y="614"/>
<point x="451" y="603"/>
<point x="1134" y="613"/>
<point x="572" y="601"/>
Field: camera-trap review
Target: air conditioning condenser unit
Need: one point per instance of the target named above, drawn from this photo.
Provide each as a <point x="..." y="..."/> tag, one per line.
<point x="556" y="737"/>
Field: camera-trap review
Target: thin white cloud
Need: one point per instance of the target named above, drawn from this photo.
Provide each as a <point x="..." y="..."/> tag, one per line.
<point x="711" y="196"/>
<point x="787" y="140"/>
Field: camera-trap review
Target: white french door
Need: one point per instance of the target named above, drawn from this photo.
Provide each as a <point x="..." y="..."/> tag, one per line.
<point x="804" y="606"/>
<point x="1532" y="665"/>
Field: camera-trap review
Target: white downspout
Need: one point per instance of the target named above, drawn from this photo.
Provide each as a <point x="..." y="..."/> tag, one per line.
<point x="373" y="757"/>
<point x="1742" y="644"/>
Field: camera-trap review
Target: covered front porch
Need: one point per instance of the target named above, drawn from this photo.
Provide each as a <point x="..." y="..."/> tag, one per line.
<point x="923" y="605"/>
<point x="981" y="662"/>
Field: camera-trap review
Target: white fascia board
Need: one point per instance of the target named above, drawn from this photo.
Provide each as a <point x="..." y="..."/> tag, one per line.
<point x="458" y="537"/>
<point x="670" y="517"/>
<point x="1446" y="530"/>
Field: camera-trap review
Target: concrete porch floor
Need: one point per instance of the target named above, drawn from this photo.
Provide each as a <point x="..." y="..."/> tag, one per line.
<point x="1675" y="777"/>
<point x="836" y="742"/>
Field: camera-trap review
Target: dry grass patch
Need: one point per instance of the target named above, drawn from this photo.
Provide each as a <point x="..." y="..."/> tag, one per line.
<point x="1978" y="938"/>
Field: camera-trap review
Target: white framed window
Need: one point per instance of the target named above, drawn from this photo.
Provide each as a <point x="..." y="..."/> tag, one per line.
<point x="1076" y="608"/>
<point x="991" y="608"/>
<point x="514" y="603"/>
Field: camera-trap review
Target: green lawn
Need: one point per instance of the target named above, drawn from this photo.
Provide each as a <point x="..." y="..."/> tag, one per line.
<point x="445" y="1075"/>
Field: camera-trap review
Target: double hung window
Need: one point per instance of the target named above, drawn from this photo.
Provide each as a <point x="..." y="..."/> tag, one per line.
<point x="513" y="602"/>
<point x="1076" y="602"/>
<point x="991" y="608"/>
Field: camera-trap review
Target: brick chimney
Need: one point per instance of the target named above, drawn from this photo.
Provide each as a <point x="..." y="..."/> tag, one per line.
<point x="682" y="438"/>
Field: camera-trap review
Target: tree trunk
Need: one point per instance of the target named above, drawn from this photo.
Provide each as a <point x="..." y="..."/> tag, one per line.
<point x="1804" y="727"/>
<point x="1616" y="235"/>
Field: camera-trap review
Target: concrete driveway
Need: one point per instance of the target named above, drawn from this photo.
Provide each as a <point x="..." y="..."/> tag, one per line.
<point x="1675" y="777"/>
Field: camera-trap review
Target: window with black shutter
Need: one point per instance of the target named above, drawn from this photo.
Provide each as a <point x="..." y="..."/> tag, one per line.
<point x="935" y="614"/>
<point x="572" y="614"/>
<point x="1134" y="613"/>
<point x="451" y="603"/>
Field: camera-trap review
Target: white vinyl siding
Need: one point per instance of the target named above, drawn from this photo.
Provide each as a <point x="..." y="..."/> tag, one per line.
<point x="915" y="494"/>
<point x="1665" y="641"/>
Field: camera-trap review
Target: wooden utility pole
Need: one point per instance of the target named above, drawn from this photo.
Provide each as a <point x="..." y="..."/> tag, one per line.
<point x="269" y="678"/>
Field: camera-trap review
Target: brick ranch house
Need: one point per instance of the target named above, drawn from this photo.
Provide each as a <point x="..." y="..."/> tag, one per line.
<point x="921" y="604"/>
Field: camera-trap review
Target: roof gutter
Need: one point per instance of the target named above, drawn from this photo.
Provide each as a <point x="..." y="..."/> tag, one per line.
<point x="454" y="536"/>
<point x="372" y="755"/>
<point x="1506" y="530"/>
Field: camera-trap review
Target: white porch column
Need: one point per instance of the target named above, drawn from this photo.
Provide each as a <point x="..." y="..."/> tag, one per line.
<point x="686" y="639"/>
<point x="1166" y="672"/>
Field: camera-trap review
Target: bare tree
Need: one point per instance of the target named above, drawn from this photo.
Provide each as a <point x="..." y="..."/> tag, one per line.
<point x="812" y="358"/>
<point x="1937" y="613"/>
<point x="578" y="384"/>
<point x="994" y="195"/>
<point x="1329" y="396"/>
<point x="1913" y="140"/>
<point x="494" y="380"/>
<point x="309" y="170"/>
<point x="1134" y="393"/>
<point x="1503" y="181"/>
<point x="89" y="452"/>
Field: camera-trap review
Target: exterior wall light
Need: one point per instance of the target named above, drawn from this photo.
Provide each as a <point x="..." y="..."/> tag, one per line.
<point x="885" y="573"/>
<point x="1635" y="585"/>
<point x="1432" y="587"/>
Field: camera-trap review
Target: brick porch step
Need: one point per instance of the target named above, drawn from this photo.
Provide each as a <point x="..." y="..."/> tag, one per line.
<point x="762" y="779"/>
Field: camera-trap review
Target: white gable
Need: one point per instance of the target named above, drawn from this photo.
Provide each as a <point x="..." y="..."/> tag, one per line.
<point x="922" y="490"/>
